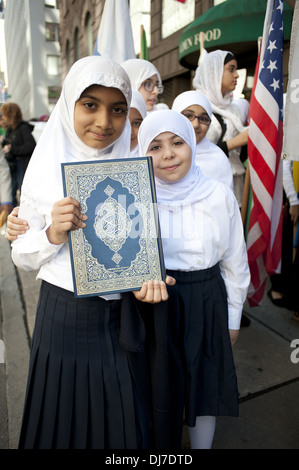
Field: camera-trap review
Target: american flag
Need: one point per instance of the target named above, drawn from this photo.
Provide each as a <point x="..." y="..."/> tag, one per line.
<point x="264" y="237"/>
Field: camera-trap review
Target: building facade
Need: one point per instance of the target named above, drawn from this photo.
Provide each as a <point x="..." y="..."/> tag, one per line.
<point x="45" y="37"/>
<point x="79" y="24"/>
<point x="33" y="55"/>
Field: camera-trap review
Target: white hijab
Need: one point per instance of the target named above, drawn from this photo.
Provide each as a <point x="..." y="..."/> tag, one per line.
<point x="42" y="184"/>
<point x="138" y="103"/>
<point x="140" y="70"/>
<point x="189" y="98"/>
<point x="208" y="80"/>
<point x="194" y="186"/>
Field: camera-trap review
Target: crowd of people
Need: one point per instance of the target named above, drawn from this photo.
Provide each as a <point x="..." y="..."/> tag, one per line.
<point x="126" y="371"/>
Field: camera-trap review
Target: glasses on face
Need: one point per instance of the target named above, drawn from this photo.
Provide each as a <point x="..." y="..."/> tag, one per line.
<point x="202" y="119"/>
<point x="148" y="85"/>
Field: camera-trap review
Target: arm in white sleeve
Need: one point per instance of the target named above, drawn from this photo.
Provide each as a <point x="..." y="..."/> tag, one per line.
<point x="234" y="268"/>
<point x="33" y="249"/>
<point x="288" y="182"/>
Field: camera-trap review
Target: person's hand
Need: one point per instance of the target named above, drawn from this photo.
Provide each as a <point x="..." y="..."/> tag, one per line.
<point x="154" y="291"/>
<point x="66" y="215"/>
<point x="7" y="148"/>
<point x="294" y="213"/>
<point x="238" y="141"/>
<point x="233" y="336"/>
<point x="15" y="226"/>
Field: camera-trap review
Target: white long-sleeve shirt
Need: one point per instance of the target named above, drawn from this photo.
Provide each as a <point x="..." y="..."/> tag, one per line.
<point x="288" y="182"/>
<point x="207" y="233"/>
<point x="33" y="251"/>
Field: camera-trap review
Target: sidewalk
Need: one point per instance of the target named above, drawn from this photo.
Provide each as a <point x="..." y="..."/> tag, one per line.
<point x="268" y="379"/>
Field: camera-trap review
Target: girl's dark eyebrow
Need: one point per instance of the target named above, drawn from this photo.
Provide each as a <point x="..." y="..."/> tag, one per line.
<point x="188" y="110"/>
<point x="94" y="98"/>
<point x="175" y="136"/>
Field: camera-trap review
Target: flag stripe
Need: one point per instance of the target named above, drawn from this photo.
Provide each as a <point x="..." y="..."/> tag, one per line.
<point x="268" y="103"/>
<point x="260" y="191"/>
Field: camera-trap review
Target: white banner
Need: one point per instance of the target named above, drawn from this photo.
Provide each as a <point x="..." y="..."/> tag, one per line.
<point x="115" y="39"/>
<point x="290" y="149"/>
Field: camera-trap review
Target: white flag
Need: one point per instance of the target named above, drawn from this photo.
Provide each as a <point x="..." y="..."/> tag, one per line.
<point x="291" y="120"/>
<point x="115" y="38"/>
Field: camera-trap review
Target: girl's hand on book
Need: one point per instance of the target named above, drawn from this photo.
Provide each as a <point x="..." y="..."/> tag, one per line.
<point x="154" y="291"/>
<point x="66" y="215"/>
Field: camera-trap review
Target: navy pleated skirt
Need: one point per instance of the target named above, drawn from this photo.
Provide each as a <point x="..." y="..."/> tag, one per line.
<point x="199" y="325"/>
<point x="80" y="393"/>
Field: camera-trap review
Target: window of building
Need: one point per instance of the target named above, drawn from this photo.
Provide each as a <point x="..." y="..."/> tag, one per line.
<point x="68" y="55"/>
<point x="52" y="31"/>
<point x="140" y="13"/>
<point x="53" y="94"/>
<point x="175" y="15"/>
<point x="53" y="65"/>
<point x="88" y="34"/>
<point x="76" y="45"/>
<point x="50" y="4"/>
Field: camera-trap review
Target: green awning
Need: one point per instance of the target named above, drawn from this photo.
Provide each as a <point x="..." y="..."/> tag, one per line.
<point x="233" y="25"/>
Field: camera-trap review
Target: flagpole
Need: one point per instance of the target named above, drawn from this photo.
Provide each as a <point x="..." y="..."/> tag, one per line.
<point x="141" y="34"/>
<point x="202" y="51"/>
<point x="245" y="199"/>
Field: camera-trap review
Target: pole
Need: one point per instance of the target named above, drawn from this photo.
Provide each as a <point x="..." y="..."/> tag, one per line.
<point x="141" y="35"/>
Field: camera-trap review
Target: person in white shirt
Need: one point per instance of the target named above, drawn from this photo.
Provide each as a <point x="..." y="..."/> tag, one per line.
<point x="81" y="390"/>
<point x="213" y="162"/>
<point x="204" y="250"/>
<point x="216" y="76"/>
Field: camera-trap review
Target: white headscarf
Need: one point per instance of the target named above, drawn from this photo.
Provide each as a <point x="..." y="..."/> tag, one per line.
<point x="194" y="186"/>
<point x="140" y="70"/>
<point x="138" y="103"/>
<point x="208" y="80"/>
<point x="189" y="98"/>
<point x="42" y="185"/>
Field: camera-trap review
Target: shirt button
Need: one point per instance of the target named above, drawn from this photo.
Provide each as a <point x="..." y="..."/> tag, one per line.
<point x="198" y="262"/>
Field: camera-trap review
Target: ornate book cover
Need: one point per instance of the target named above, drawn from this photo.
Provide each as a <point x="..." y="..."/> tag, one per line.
<point x="120" y="247"/>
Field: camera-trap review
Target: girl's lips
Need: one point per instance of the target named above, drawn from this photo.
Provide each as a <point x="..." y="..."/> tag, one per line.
<point x="170" y="168"/>
<point x="102" y="136"/>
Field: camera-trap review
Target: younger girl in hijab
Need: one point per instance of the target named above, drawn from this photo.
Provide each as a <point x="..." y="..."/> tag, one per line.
<point x="136" y="115"/>
<point x="80" y="391"/>
<point x="213" y="162"/>
<point x="146" y="79"/>
<point x="216" y="76"/>
<point x="204" y="250"/>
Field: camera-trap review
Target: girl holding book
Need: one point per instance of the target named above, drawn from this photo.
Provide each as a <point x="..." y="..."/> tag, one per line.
<point x="205" y="252"/>
<point x="82" y="389"/>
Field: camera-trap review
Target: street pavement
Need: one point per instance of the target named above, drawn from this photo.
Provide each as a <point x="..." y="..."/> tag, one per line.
<point x="266" y="357"/>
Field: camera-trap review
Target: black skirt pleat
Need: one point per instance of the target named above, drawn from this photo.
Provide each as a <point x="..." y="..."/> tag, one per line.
<point x="79" y="392"/>
<point x="198" y="306"/>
